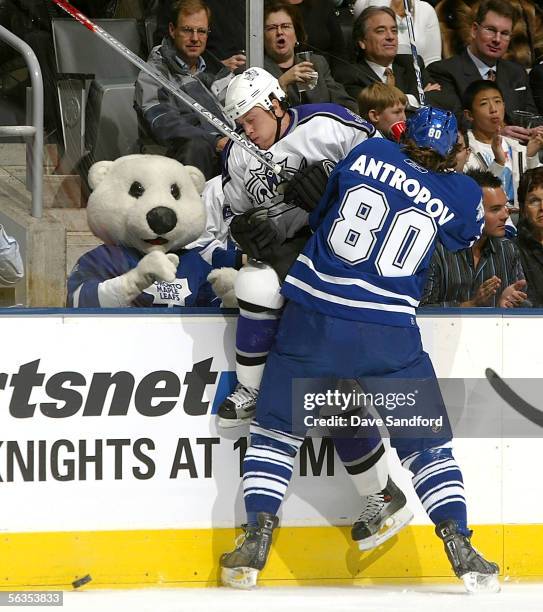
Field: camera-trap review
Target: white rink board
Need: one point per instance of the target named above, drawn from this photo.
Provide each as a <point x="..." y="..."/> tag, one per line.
<point x="140" y="345"/>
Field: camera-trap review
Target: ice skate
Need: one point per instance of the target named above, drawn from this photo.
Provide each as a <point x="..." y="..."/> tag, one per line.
<point x="239" y="407"/>
<point x="240" y="568"/>
<point x="468" y="564"/>
<point x="384" y="514"/>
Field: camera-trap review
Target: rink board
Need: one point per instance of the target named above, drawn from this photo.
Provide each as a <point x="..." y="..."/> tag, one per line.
<point x="137" y="487"/>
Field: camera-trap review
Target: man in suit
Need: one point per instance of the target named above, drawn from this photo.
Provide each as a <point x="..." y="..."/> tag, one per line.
<point x="536" y="83"/>
<point x="483" y="59"/>
<point x="376" y="33"/>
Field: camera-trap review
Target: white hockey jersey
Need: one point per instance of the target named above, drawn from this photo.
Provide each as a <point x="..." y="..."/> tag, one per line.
<point x="317" y="132"/>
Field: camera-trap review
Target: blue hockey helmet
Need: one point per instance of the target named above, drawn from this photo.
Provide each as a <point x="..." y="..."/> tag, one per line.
<point x="433" y="128"/>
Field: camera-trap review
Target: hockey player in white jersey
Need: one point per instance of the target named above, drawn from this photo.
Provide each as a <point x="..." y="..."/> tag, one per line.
<point x="272" y="230"/>
<point x="351" y="314"/>
<point x="295" y="138"/>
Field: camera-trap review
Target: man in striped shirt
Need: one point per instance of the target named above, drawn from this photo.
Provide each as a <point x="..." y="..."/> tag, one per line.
<point x="489" y="273"/>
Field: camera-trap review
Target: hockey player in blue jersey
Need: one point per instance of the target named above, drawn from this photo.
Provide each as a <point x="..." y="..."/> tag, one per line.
<point x="294" y="138"/>
<point x="274" y="231"/>
<point x="351" y="314"/>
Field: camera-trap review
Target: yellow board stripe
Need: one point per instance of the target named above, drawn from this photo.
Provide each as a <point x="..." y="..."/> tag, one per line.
<point x="300" y="555"/>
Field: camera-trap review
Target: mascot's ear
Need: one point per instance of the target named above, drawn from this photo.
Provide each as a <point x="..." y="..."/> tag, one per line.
<point x="97" y="173"/>
<point x="197" y="178"/>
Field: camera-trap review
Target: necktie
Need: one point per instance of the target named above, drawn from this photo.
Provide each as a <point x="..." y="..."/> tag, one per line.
<point x="491" y="75"/>
<point x="390" y="79"/>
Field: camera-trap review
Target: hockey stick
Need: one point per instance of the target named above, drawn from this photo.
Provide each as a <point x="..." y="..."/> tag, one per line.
<point x="411" y="33"/>
<point x="533" y="414"/>
<point x="178" y="93"/>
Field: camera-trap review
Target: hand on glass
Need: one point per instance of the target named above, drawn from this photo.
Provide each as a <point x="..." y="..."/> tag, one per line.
<point x="235" y="61"/>
<point x="516" y="132"/>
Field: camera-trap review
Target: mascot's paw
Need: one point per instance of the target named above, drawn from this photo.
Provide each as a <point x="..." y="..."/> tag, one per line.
<point x="229" y="300"/>
<point x="222" y="282"/>
<point x="157" y="266"/>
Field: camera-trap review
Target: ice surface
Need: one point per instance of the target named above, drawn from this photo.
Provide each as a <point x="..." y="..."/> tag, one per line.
<point x="526" y="597"/>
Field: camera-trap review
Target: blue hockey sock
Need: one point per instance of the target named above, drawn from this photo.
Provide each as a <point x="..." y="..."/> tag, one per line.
<point x="267" y="470"/>
<point x="438" y="483"/>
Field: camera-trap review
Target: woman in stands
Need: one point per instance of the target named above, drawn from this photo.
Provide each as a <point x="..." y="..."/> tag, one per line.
<point x="322" y="25"/>
<point x="283" y="33"/>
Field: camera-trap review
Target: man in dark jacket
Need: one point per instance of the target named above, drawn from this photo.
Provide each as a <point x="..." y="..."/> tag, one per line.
<point x="189" y="138"/>
<point x="376" y="35"/>
<point x="483" y="59"/>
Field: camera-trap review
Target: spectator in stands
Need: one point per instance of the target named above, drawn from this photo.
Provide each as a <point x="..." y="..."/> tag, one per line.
<point x="530" y="233"/>
<point x="504" y="157"/>
<point x="11" y="264"/>
<point x="425" y="22"/>
<point x="323" y="30"/>
<point x="483" y="59"/>
<point x="375" y="39"/>
<point x="463" y="149"/>
<point x="456" y="18"/>
<point x="536" y="83"/>
<point x="189" y="138"/>
<point x="487" y="274"/>
<point x="283" y="30"/>
<point x="226" y="38"/>
<point x="383" y="106"/>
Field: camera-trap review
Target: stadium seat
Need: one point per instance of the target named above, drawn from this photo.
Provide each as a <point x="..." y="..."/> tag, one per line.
<point x="106" y="125"/>
<point x="150" y="29"/>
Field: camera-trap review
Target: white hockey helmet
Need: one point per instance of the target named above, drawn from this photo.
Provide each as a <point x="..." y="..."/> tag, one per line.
<point x="253" y="87"/>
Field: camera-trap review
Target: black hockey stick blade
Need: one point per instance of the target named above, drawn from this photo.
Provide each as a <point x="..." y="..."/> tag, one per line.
<point x="533" y="414"/>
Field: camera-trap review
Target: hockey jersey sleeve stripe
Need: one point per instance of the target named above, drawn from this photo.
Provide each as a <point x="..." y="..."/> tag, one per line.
<point x="356" y="281"/>
<point x="334" y="113"/>
<point x="75" y="297"/>
<point x="336" y="299"/>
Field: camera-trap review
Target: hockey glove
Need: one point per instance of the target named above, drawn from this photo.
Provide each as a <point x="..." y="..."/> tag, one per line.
<point x="305" y="189"/>
<point x="255" y="233"/>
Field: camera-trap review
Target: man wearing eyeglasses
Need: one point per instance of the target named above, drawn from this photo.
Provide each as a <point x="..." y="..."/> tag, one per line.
<point x="483" y="59"/>
<point x="188" y="137"/>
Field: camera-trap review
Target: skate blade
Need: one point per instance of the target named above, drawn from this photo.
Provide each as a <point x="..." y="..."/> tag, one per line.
<point x="481" y="583"/>
<point x="239" y="577"/>
<point x="394" y="523"/>
<point x="229" y="423"/>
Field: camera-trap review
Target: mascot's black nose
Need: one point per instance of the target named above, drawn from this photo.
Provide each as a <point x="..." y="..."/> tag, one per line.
<point x="161" y="219"/>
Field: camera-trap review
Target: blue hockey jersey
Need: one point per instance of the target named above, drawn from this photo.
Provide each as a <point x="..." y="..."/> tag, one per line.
<point x="105" y="262"/>
<point x="375" y="230"/>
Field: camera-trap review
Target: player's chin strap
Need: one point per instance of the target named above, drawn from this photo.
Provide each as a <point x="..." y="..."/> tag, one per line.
<point x="278" y="121"/>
